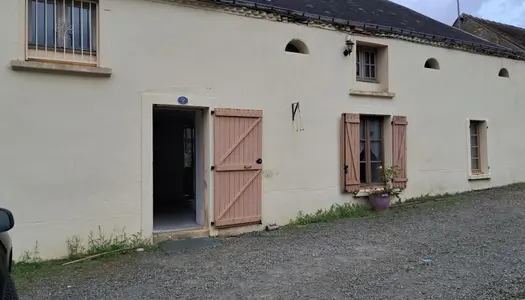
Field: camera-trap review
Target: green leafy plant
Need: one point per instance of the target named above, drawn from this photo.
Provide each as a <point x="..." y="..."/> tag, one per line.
<point x="387" y="176"/>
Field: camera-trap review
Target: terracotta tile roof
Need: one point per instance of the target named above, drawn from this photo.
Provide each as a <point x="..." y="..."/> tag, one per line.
<point x="515" y="35"/>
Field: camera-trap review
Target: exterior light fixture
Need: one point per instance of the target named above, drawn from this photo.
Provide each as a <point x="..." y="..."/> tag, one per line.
<point x="349" y="47"/>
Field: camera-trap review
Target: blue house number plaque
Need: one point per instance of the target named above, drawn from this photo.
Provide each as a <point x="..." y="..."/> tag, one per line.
<point x="182" y="100"/>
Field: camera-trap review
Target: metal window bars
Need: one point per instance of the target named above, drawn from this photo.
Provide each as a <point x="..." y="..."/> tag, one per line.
<point x="62" y="30"/>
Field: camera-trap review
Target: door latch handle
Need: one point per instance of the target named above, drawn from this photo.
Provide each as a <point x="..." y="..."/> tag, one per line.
<point x="247" y="167"/>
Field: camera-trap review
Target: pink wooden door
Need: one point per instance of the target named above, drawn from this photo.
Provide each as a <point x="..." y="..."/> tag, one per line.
<point x="350" y="143"/>
<point x="238" y="167"/>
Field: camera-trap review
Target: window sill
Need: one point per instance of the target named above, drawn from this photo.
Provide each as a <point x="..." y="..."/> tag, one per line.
<point x="482" y="176"/>
<point x="49" y="67"/>
<point x="388" y="95"/>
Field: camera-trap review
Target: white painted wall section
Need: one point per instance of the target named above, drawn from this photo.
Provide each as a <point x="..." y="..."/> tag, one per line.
<point x="73" y="153"/>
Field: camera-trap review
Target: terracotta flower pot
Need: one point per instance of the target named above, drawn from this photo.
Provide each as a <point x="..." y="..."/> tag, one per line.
<point x="380" y="202"/>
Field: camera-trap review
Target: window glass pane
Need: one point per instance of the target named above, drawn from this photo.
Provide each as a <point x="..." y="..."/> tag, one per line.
<point x="375" y="172"/>
<point x="372" y="71"/>
<point x="362" y="129"/>
<point x="362" y="153"/>
<point x="81" y="25"/>
<point x="41" y="23"/>
<point x="362" y="172"/>
<point x="70" y="23"/>
<point x="367" y="57"/>
<point x="474" y="140"/>
<point x="32" y="27"/>
<point x="375" y="151"/>
<point x="75" y="27"/>
<point x="50" y="25"/>
<point x="357" y="71"/>
<point x="92" y="19"/>
<point x="86" y="27"/>
<point x="474" y="152"/>
<point x="372" y="58"/>
<point x="475" y="164"/>
<point x="69" y="26"/>
<point x="375" y="129"/>
<point x="367" y="71"/>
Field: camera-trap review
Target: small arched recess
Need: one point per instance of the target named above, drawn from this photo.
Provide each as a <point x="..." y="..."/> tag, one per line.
<point x="432" y="63"/>
<point x="296" y="46"/>
<point x="504" y="73"/>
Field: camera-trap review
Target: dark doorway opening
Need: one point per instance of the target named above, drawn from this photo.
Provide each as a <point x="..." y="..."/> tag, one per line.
<point x="174" y="161"/>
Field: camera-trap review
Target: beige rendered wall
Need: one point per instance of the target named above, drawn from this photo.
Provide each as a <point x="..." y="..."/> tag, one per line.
<point x="74" y="150"/>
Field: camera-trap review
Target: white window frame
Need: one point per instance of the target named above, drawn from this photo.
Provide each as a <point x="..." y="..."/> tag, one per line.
<point x="483" y="151"/>
<point x="361" y="66"/>
<point x="56" y="52"/>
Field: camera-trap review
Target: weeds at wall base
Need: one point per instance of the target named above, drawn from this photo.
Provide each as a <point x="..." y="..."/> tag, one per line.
<point x="335" y="212"/>
<point x="30" y="266"/>
<point x="100" y="243"/>
<point x="355" y="211"/>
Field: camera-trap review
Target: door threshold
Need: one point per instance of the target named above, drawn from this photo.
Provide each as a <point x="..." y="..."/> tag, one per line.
<point x="159" y="231"/>
<point x="178" y="234"/>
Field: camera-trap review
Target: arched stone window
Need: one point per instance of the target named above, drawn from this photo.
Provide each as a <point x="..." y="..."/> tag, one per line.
<point x="432" y="63"/>
<point x="296" y="46"/>
<point x="504" y="73"/>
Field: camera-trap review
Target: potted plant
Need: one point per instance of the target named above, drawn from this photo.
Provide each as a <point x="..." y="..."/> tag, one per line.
<point x="379" y="197"/>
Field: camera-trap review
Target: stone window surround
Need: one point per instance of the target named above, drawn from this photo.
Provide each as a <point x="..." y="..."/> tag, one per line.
<point x="21" y="63"/>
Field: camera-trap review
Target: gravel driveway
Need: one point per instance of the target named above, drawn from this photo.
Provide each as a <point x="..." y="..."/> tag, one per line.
<point x="476" y="242"/>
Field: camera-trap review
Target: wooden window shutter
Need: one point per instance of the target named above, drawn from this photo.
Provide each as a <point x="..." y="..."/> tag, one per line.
<point x="399" y="150"/>
<point x="350" y="143"/>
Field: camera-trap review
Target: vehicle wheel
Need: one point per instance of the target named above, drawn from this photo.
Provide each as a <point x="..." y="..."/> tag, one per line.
<point x="10" y="293"/>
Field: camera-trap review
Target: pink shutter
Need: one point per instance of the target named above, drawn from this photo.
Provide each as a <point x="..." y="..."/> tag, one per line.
<point x="399" y="150"/>
<point x="238" y="166"/>
<point x="350" y="141"/>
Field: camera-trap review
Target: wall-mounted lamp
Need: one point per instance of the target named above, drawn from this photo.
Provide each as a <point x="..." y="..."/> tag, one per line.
<point x="349" y="46"/>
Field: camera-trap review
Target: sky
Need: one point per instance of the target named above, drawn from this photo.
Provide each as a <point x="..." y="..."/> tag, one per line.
<point x="504" y="11"/>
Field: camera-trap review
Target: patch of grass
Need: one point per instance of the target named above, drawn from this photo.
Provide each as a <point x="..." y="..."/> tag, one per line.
<point x="30" y="257"/>
<point x="439" y="197"/>
<point x="75" y="247"/>
<point x="352" y="211"/>
<point x="429" y="198"/>
<point x="103" y="243"/>
<point x="335" y="212"/>
<point x="28" y="275"/>
<point x="29" y="268"/>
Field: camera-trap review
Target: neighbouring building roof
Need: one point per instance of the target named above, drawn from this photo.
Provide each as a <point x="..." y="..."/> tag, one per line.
<point x="505" y="35"/>
<point x="382" y="17"/>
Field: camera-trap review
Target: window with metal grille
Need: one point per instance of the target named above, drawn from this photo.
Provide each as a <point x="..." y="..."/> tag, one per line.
<point x="366" y="64"/>
<point x="371" y="149"/>
<point x="62" y="30"/>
